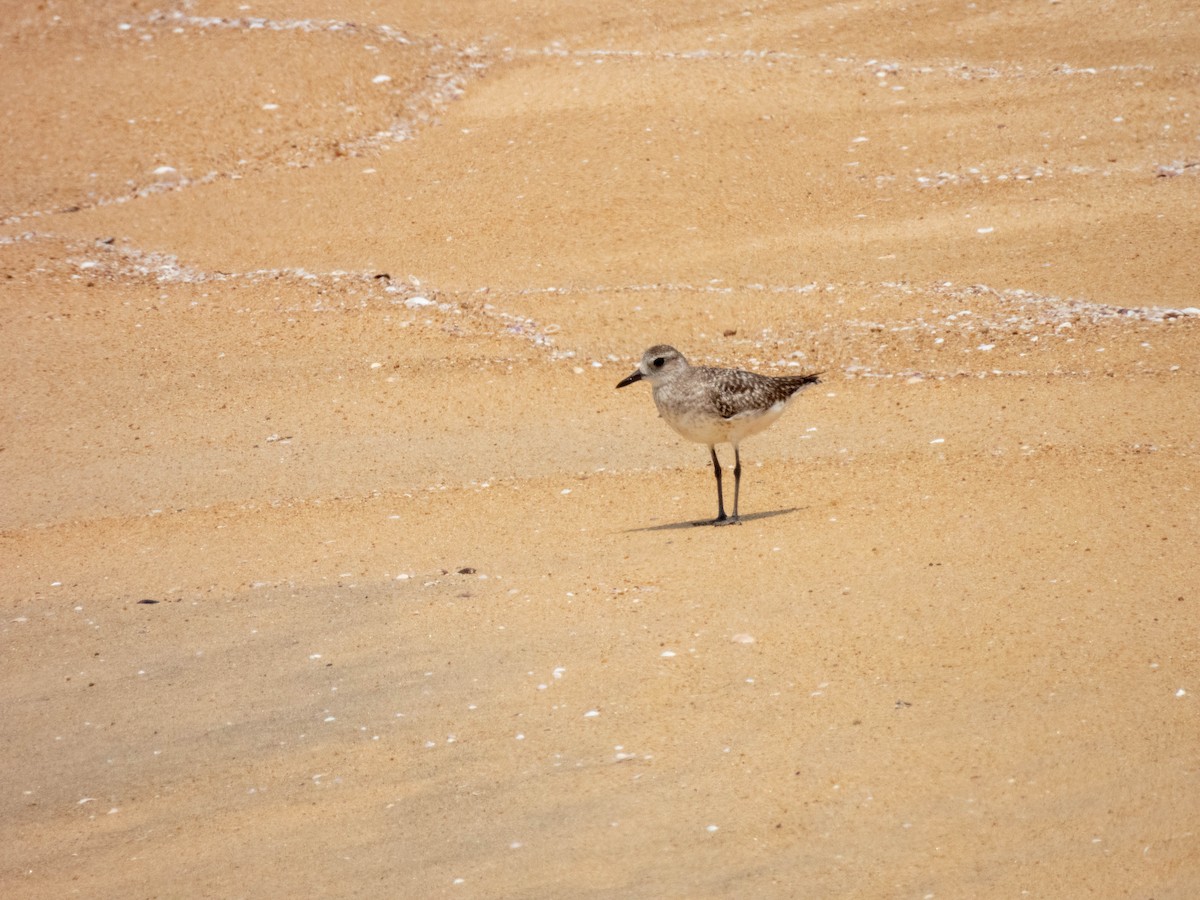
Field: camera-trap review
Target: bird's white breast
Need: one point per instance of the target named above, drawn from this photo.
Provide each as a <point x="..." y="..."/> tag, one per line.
<point x="708" y="428"/>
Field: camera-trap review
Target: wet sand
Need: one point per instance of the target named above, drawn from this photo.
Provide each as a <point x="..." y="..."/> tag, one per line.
<point x="334" y="565"/>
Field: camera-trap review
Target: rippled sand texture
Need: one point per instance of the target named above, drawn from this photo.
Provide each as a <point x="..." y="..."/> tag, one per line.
<point x="332" y="564"/>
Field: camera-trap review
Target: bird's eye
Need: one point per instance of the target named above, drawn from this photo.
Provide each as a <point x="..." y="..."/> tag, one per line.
<point x="658" y="363"/>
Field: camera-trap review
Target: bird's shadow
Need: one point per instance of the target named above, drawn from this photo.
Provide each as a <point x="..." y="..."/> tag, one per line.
<point x="749" y="517"/>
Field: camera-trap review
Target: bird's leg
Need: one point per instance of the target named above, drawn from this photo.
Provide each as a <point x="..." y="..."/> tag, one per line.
<point x="720" y="491"/>
<point x="737" y="487"/>
<point x="721" y="517"/>
<point x="737" y="478"/>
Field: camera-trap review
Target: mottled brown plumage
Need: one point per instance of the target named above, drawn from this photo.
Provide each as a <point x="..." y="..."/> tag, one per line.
<point x="733" y="391"/>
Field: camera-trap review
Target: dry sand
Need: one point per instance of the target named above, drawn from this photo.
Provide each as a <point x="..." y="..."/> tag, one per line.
<point x="333" y="565"/>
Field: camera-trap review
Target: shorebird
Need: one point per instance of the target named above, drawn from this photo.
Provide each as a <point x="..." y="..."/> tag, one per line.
<point x="715" y="406"/>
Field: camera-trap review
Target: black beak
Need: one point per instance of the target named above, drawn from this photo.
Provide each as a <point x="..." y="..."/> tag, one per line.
<point x="636" y="376"/>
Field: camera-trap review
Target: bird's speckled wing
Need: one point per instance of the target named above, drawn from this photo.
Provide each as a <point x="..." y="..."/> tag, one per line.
<point x="733" y="392"/>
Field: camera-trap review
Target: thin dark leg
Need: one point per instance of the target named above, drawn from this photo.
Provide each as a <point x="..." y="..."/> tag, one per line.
<point x="720" y="493"/>
<point x="737" y="488"/>
<point x="737" y="479"/>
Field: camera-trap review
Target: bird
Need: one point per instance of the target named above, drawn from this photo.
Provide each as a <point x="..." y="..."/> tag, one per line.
<point x="715" y="406"/>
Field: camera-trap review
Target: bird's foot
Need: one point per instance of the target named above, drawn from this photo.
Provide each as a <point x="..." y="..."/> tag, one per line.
<point x="721" y="520"/>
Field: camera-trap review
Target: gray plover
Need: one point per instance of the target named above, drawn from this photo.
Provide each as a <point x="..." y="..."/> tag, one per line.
<point x="715" y="406"/>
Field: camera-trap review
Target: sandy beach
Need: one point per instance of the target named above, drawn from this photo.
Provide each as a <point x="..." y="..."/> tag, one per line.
<point x="332" y="563"/>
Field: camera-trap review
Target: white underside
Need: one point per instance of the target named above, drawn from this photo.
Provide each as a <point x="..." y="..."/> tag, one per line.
<point x="715" y="430"/>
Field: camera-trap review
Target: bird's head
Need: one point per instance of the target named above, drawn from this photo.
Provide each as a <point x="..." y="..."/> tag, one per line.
<point x="659" y="362"/>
